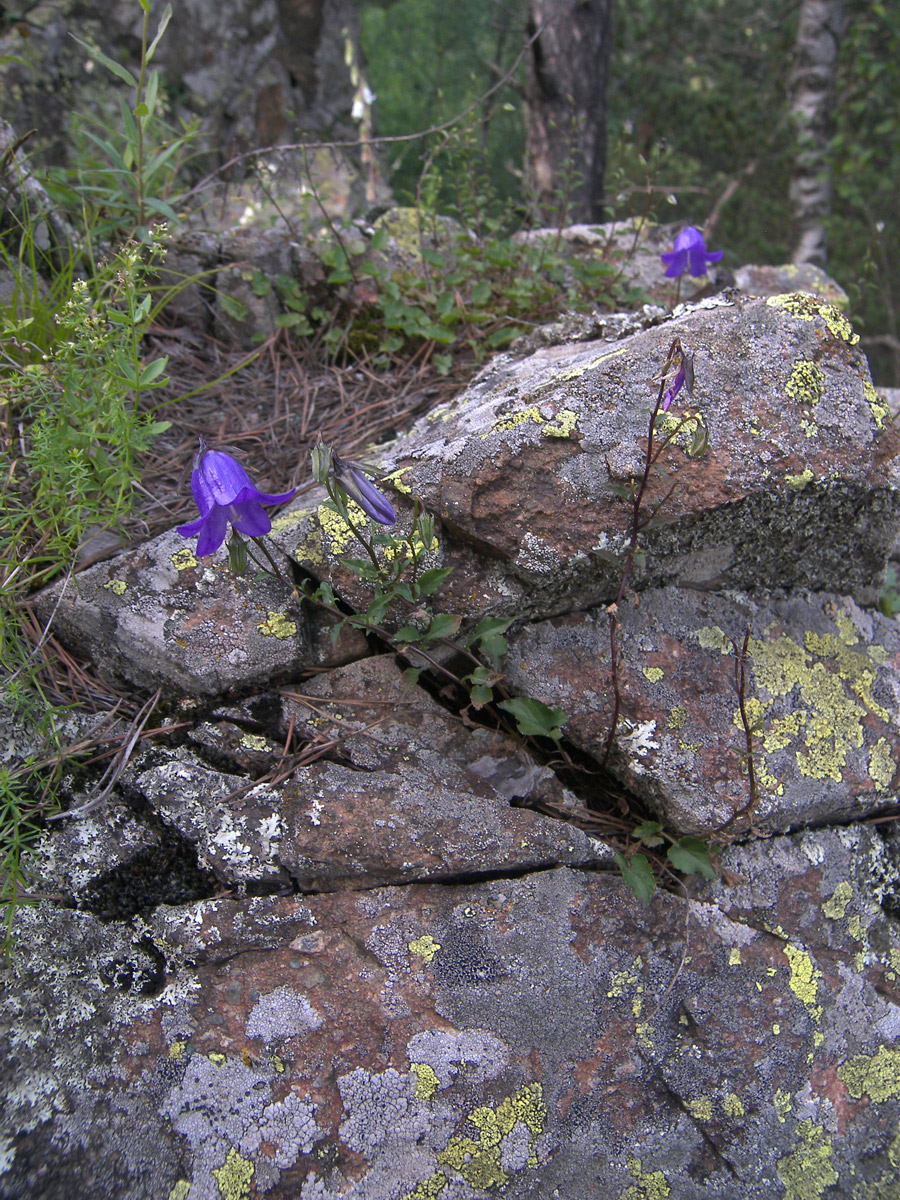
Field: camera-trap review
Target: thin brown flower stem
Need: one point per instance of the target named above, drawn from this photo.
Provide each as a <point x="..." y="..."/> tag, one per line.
<point x="613" y="610"/>
<point x="740" y="686"/>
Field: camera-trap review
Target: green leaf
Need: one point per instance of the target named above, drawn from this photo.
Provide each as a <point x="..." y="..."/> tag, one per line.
<point x="163" y="23"/>
<point x="480" y="695"/>
<point x="432" y="580"/>
<point x="407" y="634"/>
<point x="120" y="72"/>
<point x="153" y="371"/>
<point x="638" y="876"/>
<point x="234" y="308"/>
<point x="260" y="284"/>
<point x="534" y="718"/>
<point x="649" y="832"/>
<point x="149" y="103"/>
<point x="379" y="239"/>
<point x="444" y="625"/>
<point x="691" y="856"/>
<point x="155" y="428"/>
<point x="361" y="567"/>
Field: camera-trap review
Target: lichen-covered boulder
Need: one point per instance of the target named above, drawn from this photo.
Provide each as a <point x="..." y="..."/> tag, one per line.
<point x="527" y="468"/>
<point x="817" y="711"/>
<point x="521" y="1036"/>
<point x="159" y="617"/>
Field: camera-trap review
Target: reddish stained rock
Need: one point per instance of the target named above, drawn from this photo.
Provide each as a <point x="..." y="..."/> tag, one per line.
<point x="526" y="468"/>
<point x="821" y="700"/>
<point x="527" y="1035"/>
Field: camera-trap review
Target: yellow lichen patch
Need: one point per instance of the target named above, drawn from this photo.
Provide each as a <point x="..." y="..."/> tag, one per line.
<point x="505" y="424"/>
<point x="182" y="560"/>
<point x="733" y="1105"/>
<point x="649" y="1186"/>
<point x="481" y="1162"/>
<point x="176" y="1049"/>
<point x="701" y="1108"/>
<point x="806" y="384"/>
<point x="677" y="717"/>
<point x="118" y="587"/>
<point x="840" y="898"/>
<point x="881" y="765"/>
<point x="277" y="625"/>
<point x="711" y="637"/>
<point x="290" y="520"/>
<point x="826" y="722"/>
<point x="804" y="976"/>
<point x="427" y="1082"/>
<point x="783" y="1104"/>
<point x="880" y="411"/>
<point x="217" y="1058"/>
<point x="391" y="552"/>
<point x="807" y="308"/>
<point x="396" y="479"/>
<point x="234" y="1177"/>
<point x="577" y="372"/>
<point x="180" y="1190"/>
<point x="798" y="482"/>
<point x="340" y="536"/>
<point x="876" y="1076"/>
<point x="254" y="741"/>
<point x="654" y="674"/>
<point x="425" y="947"/>
<point x="807" y="1172"/>
<point x="566" y="423"/>
<point x="681" y="430"/>
<point x="620" y="980"/>
<point x="734" y="956"/>
<point x="428" y="1189"/>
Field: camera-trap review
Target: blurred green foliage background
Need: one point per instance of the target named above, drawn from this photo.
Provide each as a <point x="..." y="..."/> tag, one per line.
<point x="697" y="100"/>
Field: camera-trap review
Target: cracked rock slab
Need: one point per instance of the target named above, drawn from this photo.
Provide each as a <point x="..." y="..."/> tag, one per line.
<point x="538" y="1036"/>
<point x="414" y="794"/>
<point x="821" y="702"/>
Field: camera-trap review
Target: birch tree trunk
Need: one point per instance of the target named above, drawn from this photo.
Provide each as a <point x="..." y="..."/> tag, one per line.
<point x="810" y="99"/>
<point x="566" y="105"/>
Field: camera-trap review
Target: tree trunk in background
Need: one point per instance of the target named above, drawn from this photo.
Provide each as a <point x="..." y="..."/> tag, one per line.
<point x="566" y="106"/>
<point x="810" y="98"/>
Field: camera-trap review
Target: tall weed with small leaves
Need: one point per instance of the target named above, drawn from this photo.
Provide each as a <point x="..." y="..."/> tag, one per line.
<point x="134" y="181"/>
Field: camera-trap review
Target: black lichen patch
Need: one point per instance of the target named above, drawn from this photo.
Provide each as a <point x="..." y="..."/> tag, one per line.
<point x="167" y="873"/>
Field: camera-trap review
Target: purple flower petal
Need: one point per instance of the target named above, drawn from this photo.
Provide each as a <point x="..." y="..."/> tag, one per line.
<point x="247" y="516"/>
<point x="212" y="535"/>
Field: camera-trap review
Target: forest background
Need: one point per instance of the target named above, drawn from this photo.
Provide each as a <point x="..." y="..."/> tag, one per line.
<point x="698" y="125"/>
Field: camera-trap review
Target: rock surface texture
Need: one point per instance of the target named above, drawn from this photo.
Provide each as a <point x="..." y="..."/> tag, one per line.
<point x="396" y="965"/>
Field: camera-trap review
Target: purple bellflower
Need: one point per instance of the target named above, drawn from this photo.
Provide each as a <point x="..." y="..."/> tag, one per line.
<point x="684" y="378"/>
<point x="360" y="488"/>
<point x="690" y="253"/>
<point x="225" y="495"/>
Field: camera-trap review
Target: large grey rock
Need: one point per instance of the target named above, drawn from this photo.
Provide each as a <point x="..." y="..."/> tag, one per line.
<point x="821" y="703"/>
<point x="532" y="1037"/>
<point x="526" y="468"/>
